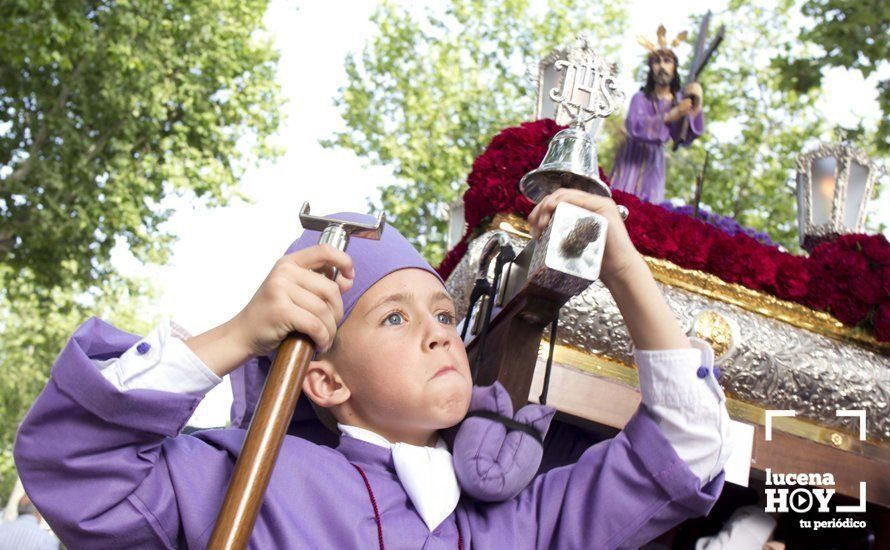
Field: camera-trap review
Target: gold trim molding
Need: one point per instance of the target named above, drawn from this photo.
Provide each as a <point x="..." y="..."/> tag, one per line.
<point x="715" y="288"/>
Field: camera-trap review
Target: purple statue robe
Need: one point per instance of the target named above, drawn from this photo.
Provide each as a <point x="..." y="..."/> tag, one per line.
<point x="639" y="164"/>
<point x="110" y="469"/>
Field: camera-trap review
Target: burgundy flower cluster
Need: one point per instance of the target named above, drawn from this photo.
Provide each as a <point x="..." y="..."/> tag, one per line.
<point x="494" y="180"/>
<point x="848" y="277"/>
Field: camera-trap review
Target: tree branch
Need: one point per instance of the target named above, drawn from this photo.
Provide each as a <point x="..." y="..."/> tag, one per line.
<point x="98" y="145"/>
<point x="42" y="133"/>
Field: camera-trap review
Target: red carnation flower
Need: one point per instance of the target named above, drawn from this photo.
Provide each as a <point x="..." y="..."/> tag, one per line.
<point x="848" y="310"/>
<point x="741" y="259"/>
<point x="453" y="257"/>
<point x="792" y="277"/>
<point x="847" y="263"/>
<point x="877" y="249"/>
<point x="822" y="287"/>
<point x="649" y="233"/>
<point x="866" y="287"/>
<point x="695" y="241"/>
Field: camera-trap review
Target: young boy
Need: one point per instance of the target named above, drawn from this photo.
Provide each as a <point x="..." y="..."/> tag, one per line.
<point x="101" y="455"/>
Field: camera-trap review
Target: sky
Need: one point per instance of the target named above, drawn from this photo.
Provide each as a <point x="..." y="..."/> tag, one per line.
<point x="223" y="254"/>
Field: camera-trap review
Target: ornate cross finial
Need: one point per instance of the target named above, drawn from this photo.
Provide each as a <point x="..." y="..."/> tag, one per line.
<point x="585" y="85"/>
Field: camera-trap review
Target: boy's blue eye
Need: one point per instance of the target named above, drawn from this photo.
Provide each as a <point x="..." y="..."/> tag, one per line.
<point x="396" y="318"/>
<point x="446" y="318"/>
<point x="394" y="315"/>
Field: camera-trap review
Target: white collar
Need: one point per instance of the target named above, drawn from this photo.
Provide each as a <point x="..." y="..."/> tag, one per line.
<point x="364" y="435"/>
<point x="426" y="474"/>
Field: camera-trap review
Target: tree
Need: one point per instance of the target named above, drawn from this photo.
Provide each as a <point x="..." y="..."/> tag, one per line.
<point x="846" y="33"/>
<point x="429" y="91"/>
<point x="757" y="126"/>
<point x="107" y="107"/>
<point x="33" y="329"/>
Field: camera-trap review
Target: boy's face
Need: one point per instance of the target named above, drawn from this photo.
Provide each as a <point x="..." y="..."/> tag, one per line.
<point x="401" y="357"/>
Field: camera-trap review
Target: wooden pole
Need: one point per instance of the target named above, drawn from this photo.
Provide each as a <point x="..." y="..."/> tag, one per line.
<point x="699" y="184"/>
<point x="244" y="497"/>
<point x="260" y="451"/>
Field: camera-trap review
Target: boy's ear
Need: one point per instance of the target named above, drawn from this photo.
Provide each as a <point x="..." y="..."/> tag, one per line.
<point x="323" y="384"/>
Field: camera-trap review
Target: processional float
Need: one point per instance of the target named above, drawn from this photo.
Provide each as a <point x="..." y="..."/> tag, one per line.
<point x="809" y="393"/>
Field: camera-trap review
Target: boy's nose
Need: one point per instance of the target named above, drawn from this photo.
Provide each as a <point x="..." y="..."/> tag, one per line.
<point x="437" y="334"/>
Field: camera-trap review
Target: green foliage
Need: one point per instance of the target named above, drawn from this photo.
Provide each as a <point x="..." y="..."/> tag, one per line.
<point x="847" y="33"/>
<point x="34" y="328"/>
<point x="430" y="90"/>
<point x="106" y="107"/>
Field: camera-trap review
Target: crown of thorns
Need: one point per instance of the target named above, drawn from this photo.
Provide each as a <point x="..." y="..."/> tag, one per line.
<point x="662" y="40"/>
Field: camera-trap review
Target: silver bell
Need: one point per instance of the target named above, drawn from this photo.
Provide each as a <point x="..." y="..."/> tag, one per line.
<point x="570" y="162"/>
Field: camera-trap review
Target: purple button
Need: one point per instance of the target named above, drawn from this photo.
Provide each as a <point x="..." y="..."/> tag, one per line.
<point x="716" y="372"/>
<point x="143" y="348"/>
<point x="702" y="371"/>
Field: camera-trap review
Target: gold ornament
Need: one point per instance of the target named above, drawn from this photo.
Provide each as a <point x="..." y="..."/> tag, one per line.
<point x="718" y="330"/>
<point x="679" y="39"/>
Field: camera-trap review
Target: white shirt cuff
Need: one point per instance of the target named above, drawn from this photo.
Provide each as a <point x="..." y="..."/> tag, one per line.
<point x="162" y="362"/>
<point x="680" y="389"/>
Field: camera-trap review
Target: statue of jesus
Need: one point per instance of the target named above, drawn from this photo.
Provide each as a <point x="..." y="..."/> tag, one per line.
<point x="656" y="114"/>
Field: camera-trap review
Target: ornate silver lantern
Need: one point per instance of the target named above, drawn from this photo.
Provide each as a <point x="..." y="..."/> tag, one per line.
<point x="834" y="183"/>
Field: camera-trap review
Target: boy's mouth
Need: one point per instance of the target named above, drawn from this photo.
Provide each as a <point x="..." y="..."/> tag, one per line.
<point x="444" y="370"/>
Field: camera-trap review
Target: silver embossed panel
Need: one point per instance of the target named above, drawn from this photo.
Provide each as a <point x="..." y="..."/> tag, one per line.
<point x="774" y="366"/>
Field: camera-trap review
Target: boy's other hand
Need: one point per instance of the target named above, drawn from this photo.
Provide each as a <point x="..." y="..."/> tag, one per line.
<point x="620" y="253"/>
<point x="296" y="297"/>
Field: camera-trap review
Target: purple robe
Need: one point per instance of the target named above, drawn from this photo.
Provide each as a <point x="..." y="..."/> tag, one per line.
<point x="110" y="469"/>
<point x="639" y="164"/>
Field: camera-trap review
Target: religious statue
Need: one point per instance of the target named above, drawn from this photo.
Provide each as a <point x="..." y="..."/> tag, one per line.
<point x="659" y="112"/>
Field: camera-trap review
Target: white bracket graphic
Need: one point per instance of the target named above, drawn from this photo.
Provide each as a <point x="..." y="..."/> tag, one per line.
<point x="860" y="507"/>
<point x="770" y="413"/>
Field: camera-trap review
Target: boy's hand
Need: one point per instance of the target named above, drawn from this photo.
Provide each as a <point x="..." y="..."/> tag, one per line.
<point x="620" y="253"/>
<point x="295" y="298"/>
<point x="648" y="318"/>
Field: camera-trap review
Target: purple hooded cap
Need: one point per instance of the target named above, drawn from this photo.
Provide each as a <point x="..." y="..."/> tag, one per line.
<point x="373" y="260"/>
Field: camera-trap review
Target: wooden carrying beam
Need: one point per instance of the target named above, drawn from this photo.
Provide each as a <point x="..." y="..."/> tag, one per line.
<point x="513" y="341"/>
